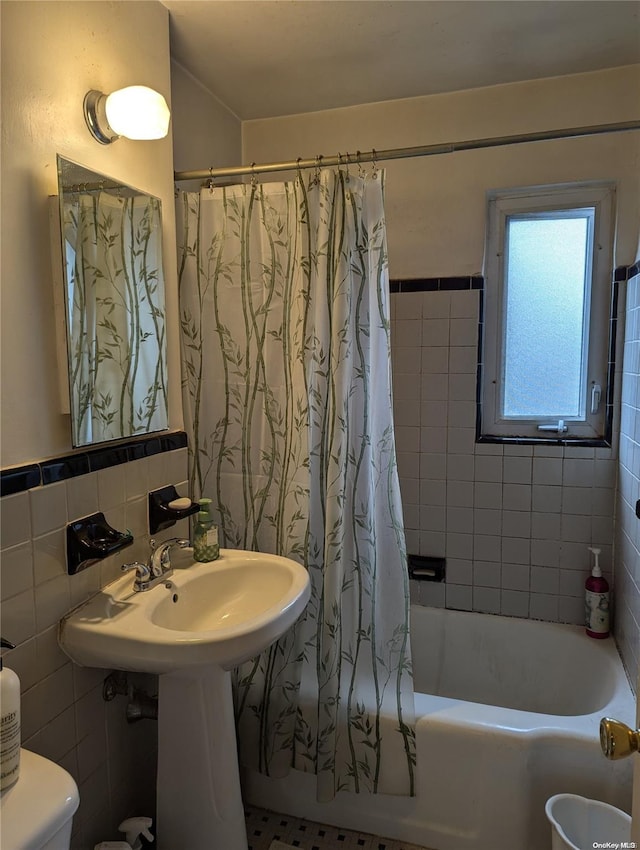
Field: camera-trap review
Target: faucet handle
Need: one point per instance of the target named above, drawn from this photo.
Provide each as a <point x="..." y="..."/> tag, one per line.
<point x="143" y="574"/>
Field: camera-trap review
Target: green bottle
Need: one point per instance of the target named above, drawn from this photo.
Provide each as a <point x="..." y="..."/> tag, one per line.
<point x="205" y="537"/>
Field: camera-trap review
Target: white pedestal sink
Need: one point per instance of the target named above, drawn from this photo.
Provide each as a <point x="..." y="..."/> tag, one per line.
<point x="192" y="630"/>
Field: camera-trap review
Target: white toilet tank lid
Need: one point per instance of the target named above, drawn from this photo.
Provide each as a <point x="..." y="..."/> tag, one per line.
<point x="43" y="799"/>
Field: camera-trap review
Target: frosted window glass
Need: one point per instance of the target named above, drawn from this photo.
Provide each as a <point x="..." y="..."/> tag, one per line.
<point x="545" y="308"/>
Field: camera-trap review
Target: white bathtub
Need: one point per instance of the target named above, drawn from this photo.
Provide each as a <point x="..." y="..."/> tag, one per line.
<point x="508" y="714"/>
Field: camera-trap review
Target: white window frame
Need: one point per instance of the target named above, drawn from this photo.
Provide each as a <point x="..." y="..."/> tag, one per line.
<point x="534" y="200"/>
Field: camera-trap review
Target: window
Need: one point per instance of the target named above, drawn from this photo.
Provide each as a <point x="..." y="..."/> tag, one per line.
<point x="548" y="277"/>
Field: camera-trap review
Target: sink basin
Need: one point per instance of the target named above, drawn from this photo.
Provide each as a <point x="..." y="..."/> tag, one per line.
<point x="222" y="612"/>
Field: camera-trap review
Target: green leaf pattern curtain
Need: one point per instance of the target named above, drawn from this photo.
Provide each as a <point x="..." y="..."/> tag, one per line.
<point x="287" y="396"/>
<point x="115" y="297"/>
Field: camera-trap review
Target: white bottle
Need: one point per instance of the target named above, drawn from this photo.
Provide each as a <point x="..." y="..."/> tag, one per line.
<point x="9" y="724"/>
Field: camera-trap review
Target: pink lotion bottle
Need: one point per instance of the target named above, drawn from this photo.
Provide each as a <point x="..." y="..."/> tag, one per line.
<point x="596" y="601"/>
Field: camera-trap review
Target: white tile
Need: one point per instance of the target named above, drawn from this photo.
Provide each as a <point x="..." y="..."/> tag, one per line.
<point x="576" y="529"/>
<point x="48" y="508"/>
<point x="578" y="472"/>
<point x="432" y="466"/>
<point x="433" y="594"/>
<point x="517" y="470"/>
<point x="518" y="450"/>
<point x="136" y="516"/>
<point x="432" y="518"/>
<point x="543" y="607"/>
<point x="460" y="467"/>
<point x="546" y="498"/>
<point x="158" y="471"/>
<point x="82" y="496"/>
<point x="433" y="440"/>
<point x="515" y="577"/>
<point x="517" y="497"/>
<point x="407" y="439"/>
<point x="137" y="478"/>
<point x="23" y="660"/>
<point x="461" y="414"/>
<point x="487" y="521"/>
<point x="459" y="545"/>
<point x="58" y="736"/>
<point x="488" y="468"/>
<point x="487" y="547"/>
<point x="487" y="495"/>
<point x="463" y="331"/>
<point x="406" y="333"/>
<point x="575" y="556"/>
<point x="435" y="387"/>
<point x="460" y="520"/>
<point x="50" y="655"/>
<point x="514" y="603"/>
<point x="545" y="579"/>
<point x="18" y="617"/>
<point x="433" y="360"/>
<point x="433" y="492"/>
<point x="53" y="600"/>
<point x="435" y="332"/>
<point x="436" y="305"/>
<point x="462" y="387"/>
<point x="461" y="440"/>
<point x="545" y="553"/>
<point x="572" y="583"/>
<point x="411" y="514"/>
<point x="489" y="449"/>
<point x="408" y="305"/>
<point x="486" y="573"/>
<point x="15" y="520"/>
<point x="459" y="571"/>
<point x="459" y="597"/>
<point x="516" y="523"/>
<point x="486" y="599"/>
<point x="516" y="550"/>
<point x="406" y="412"/>
<point x="463" y="359"/>
<point x="49" y="557"/>
<point x="571" y="610"/>
<point x="433" y="413"/>
<point x="16" y="570"/>
<point x="577" y="500"/>
<point x="464" y="304"/>
<point x="546" y="526"/>
<point x="407" y="361"/>
<point x="433" y="543"/>
<point x="111" y="487"/>
<point x="460" y="494"/>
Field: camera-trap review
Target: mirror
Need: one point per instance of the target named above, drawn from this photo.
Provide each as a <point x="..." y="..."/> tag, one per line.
<point x="114" y="306"/>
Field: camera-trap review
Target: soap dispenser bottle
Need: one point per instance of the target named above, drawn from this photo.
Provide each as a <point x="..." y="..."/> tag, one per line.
<point x="205" y="538"/>
<point x="597" y="600"/>
<point x="9" y="724"/>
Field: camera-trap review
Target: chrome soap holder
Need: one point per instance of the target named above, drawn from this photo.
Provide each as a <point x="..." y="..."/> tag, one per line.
<point x="161" y="515"/>
<point x="91" y="539"/>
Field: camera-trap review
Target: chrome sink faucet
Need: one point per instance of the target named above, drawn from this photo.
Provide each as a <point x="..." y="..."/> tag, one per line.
<point x="158" y="567"/>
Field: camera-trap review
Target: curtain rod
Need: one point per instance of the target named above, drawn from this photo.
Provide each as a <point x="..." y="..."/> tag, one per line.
<point x="404" y="153"/>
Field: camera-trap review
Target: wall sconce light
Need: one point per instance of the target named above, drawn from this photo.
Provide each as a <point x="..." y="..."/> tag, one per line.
<point x="135" y="112"/>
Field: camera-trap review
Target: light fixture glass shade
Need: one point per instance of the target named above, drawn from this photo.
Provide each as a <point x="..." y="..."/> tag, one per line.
<point x="135" y="112"/>
<point x="138" y="112"/>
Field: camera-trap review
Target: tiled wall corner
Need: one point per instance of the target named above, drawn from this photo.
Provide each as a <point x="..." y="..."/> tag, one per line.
<point x="513" y="521"/>
<point x="64" y="716"/>
<point x="627" y="536"/>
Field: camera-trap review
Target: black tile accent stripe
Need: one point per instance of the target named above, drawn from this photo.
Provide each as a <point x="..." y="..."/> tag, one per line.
<point x="437" y="284"/>
<point x="20" y="478"/>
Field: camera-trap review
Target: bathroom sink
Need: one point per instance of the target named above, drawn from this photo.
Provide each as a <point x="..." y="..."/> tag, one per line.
<point x="222" y="612"/>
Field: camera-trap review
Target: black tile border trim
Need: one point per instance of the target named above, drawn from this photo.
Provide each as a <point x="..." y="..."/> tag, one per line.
<point x="437" y="284"/>
<point x="21" y="478"/>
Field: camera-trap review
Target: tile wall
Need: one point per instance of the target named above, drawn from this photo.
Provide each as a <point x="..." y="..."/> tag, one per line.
<point x="513" y="521"/>
<point x="64" y="716"/>
<point x="627" y="540"/>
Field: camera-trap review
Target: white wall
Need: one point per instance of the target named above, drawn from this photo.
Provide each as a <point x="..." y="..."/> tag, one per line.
<point x="52" y="54"/>
<point x="436" y="205"/>
<point x="205" y="132"/>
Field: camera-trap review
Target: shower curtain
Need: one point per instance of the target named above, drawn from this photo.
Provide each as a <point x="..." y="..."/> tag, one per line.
<point x="115" y="298"/>
<point x="287" y="397"/>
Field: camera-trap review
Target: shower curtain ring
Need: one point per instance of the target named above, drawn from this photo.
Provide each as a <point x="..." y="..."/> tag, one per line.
<point x="211" y="180"/>
<point x="298" y="169"/>
<point x="374" y="172"/>
<point x="361" y="170"/>
<point x="254" y="178"/>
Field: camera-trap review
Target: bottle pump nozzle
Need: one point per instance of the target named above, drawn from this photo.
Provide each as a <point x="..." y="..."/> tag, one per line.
<point x="596" y="571"/>
<point x="134" y="828"/>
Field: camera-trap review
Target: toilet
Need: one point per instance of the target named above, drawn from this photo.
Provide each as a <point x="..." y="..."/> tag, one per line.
<point x="37" y="811"/>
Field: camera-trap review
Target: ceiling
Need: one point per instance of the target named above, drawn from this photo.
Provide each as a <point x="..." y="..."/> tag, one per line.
<point x="264" y="58"/>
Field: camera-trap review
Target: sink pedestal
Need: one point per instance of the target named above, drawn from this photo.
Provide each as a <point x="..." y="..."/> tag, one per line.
<point x="199" y="798"/>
